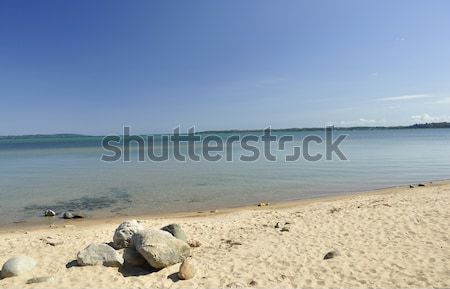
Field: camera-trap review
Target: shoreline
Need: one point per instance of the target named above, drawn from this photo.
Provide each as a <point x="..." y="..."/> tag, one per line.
<point x="39" y="224"/>
<point x="388" y="238"/>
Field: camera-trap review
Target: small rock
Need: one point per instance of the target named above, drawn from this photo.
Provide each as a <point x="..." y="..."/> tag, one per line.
<point x="253" y="283"/>
<point x="160" y="248"/>
<point x="194" y="243"/>
<point x="421" y="185"/>
<point x="123" y="234"/>
<point x="99" y="254"/>
<point x="17" y="265"/>
<point x="49" y="213"/>
<point x="331" y="254"/>
<point x="263" y="204"/>
<point x="334" y="210"/>
<point x="411" y="186"/>
<point x="285" y="229"/>
<point x="52" y="242"/>
<point x="72" y="215"/>
<point x="38" y="279"/>
<point x="214" y="211"/>
<point x="176" y="231"/>
<point x="187" y="269"/>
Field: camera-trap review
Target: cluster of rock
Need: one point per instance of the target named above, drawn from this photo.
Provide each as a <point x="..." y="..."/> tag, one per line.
<point x="65" y="215"/>
<point x="158" y="248"/>
<point x="133" y="245"/>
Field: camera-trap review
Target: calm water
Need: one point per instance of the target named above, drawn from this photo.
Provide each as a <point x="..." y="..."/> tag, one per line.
<point x="66" y="173"/>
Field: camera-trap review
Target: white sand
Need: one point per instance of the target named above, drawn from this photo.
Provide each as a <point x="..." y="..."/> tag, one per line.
<point x="390" y="238"/>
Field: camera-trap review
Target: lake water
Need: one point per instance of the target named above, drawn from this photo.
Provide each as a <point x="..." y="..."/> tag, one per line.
<point x="67" y="173"/>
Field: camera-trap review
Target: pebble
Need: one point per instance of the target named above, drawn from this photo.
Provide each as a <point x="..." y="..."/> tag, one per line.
<point x="194" y="243"/>
<point x="187" y="269"/>
<point x="38" y="279"/>
<point x="331" y="254"/>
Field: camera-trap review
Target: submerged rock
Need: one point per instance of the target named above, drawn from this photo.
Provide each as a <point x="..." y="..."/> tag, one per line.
<point x="187" y="269"/>
<point x="123" y="234"/>
<point x="72" y="215"/>
<point x="160" y="248"/>
<point x="99" y="254"/>
<point x="176" y="231"/>
<point x="17" y="265"/>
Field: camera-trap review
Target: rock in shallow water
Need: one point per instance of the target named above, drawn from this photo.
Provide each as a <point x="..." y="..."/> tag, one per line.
<point x="160" y="248"/>
<point x="49" y="213"/>
<point x="176" y="231"/>
<point x="99" y="254"/>
<point x="122" y="235"/>
<point x="17" y="265"/>
<point x="72" y="215"/>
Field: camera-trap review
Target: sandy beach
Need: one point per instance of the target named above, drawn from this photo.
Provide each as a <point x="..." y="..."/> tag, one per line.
<point x="397" y="237"/>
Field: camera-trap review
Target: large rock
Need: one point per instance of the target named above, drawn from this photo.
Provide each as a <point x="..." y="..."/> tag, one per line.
<point x="160" y="248"/>
<point x="122" y="235"/>
<point x="132" y="257"/>
<point x="99" y="254"/>
<point x="176" y="231"/>
<point x="17" y="265"/>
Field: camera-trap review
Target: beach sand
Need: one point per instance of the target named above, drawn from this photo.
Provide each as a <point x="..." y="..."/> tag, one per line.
<point x="398" y="237"/>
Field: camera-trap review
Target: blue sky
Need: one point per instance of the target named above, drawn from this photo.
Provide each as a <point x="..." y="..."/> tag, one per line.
<point x="93" y="66"/>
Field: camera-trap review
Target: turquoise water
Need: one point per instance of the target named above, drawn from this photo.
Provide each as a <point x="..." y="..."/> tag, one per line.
<point x="67" y="173"/>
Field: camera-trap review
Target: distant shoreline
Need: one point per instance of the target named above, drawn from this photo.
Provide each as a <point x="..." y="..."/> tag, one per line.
<point x="432" y="125"/>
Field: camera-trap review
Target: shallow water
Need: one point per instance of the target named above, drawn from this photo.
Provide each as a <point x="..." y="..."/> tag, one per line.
<point x="67" y="173"/>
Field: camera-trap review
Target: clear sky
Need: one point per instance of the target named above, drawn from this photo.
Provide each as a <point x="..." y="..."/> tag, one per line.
<point x="93" y="66"/>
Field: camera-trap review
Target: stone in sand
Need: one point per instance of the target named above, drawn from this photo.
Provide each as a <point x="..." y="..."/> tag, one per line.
<point x="132" y="257"/>
<point x="421" y="185"/>
<point x="49" y="213"/>
<point x="194" y="243"/>
<point x="99" y="254"/>
<point x="39" y="279"/>
<point x="122" y="235"/>
<point x="160" y="248"/>
<point x="187" y="269"/>
<point x="411" y="186"/>
<point x="176" y="231"/>
<point x="331" y="254"/>
<point x="263" y="204"/>
<point x="17" y="265"/>
<point x="285" y="229"/>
